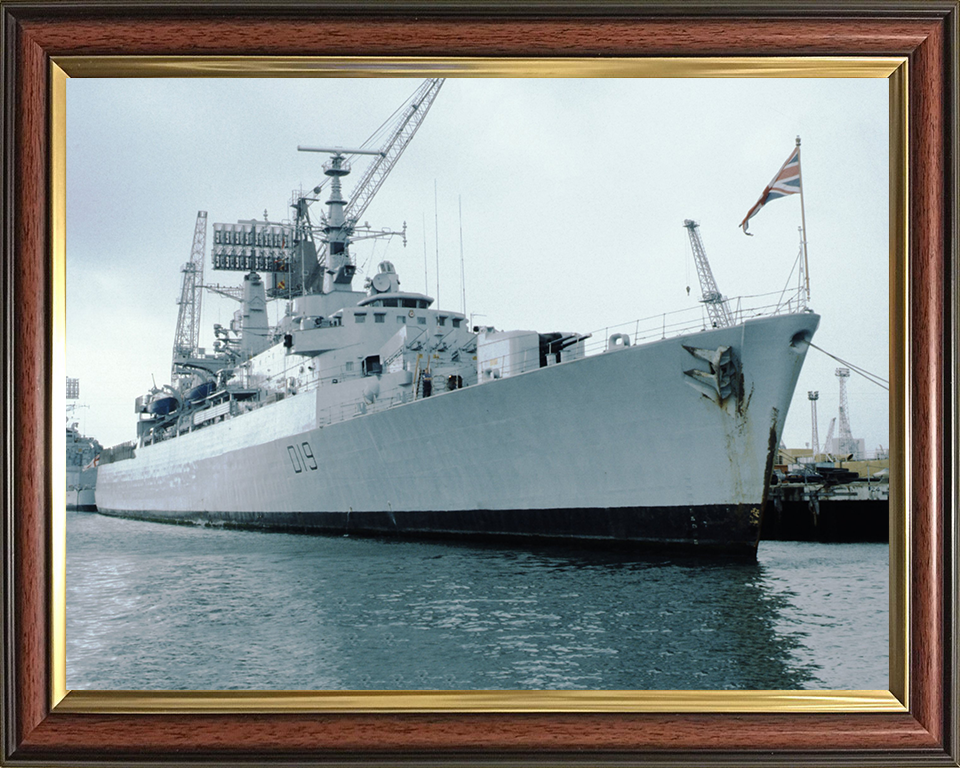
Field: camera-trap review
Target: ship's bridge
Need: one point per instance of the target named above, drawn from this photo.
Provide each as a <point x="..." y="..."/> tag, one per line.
<point x="397" y="299"/>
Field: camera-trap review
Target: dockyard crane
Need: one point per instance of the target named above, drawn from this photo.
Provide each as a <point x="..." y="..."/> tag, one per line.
<point x="187" y="338"/>
<point x="338" y="233"/>
<point x="714" y="301"/>
<point x="829" y="440"/>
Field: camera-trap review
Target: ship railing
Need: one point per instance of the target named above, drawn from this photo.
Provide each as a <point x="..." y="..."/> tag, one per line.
<point x="695" y="319"/>
<point x="347" y="410"/>
<point x="661" y="326"/>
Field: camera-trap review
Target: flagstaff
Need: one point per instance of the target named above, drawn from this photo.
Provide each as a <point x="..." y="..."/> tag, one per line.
<point x="788" y="181"/>
<point x="803" y="227"/>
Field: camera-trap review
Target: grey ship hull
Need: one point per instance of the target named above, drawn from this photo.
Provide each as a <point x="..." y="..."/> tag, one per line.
<point x="625" y="448"/>
<point x="81" y="480"/>
<point x="81" y="490"/>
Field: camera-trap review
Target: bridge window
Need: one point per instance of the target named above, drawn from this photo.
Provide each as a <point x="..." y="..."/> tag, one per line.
<point x="360" y="317"/>
<point x="379" y="317"/>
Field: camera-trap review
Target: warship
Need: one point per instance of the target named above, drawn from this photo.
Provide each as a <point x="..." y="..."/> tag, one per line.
<point x="83" y="455"/>
<point x="376" y="412"/>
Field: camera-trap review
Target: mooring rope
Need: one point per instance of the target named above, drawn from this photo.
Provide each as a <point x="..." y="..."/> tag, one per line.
<point x="871" y="377"/>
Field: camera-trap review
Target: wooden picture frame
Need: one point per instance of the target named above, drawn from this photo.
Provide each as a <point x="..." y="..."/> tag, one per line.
<point x="39" y="729"/>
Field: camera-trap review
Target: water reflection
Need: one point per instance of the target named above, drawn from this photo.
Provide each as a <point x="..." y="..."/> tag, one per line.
<point x="154" y="606"/>
<point x="561" y="619"/>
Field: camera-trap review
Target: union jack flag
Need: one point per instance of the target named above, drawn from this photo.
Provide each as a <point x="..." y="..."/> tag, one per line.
<point x="786" y="182"/>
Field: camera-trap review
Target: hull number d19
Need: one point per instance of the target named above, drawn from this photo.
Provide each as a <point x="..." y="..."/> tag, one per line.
<point x="301" y="456"/>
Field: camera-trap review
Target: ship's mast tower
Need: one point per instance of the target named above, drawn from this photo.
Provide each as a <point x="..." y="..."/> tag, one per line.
<point x="187" y="338"/>
<point x="715" y="302"/>
<point x="846" y="442"/>
<point x="814" y="436"/>
<point x="333" y="261"/>
<point x="337" y="228"/>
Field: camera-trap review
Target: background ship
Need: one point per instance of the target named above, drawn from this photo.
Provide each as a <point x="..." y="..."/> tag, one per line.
<point x="372" y="412"/>
<point x="82" y="458"/>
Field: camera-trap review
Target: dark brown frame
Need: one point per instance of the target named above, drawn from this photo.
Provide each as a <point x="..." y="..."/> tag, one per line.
<point x="925" y="32"/>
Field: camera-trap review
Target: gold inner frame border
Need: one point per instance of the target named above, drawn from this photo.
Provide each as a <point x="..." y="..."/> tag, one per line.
<point x="894" y="69"/>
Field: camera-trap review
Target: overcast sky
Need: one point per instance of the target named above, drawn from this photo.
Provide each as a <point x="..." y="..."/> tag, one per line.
<point x="573" y="193"/>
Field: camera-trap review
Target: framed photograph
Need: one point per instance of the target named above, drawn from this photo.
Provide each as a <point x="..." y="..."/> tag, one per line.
<point x="518" y="615"/>
<point x="179" y="50"/>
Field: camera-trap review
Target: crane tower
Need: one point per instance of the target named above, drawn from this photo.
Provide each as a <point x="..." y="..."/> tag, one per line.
<point x="715" y="302"/>
<point x="187" y="338"/>
<point x="815" y="436"/>
<point x="829" y="441"/>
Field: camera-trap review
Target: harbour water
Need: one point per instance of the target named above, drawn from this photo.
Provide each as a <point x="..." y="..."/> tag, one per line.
<point x="153" y="606"/>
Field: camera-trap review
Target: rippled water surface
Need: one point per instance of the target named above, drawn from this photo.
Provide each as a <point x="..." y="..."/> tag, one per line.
<point x="153" y="606"/>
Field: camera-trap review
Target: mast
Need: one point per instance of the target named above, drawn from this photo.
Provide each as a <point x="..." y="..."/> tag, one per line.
<point x="436" y="236"/>
<point x="803" y="224"/>
<point x="337" y="228"/>
<point x="299" y="263"/>
<point x="463" y="286"/>
<point x="343" y="216"/>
